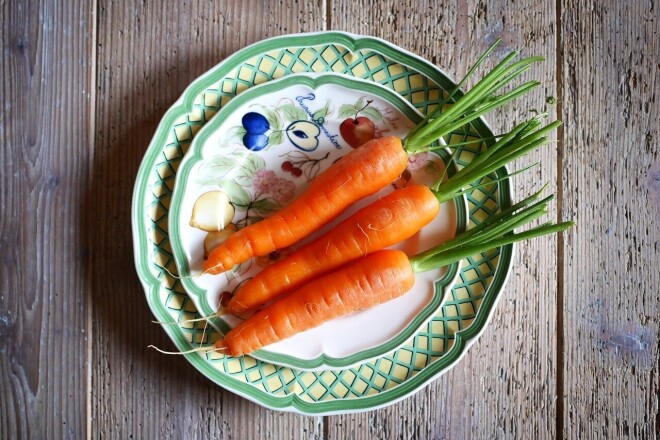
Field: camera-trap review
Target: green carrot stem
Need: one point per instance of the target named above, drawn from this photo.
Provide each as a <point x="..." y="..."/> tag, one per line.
<point x="499" y="223"/>
<point x="517" y="69"/>
<point x="426" y="138"/>
<point x="474" y="68"/>
<point x="508" y="140"/>
<point x="507" y="136"/>
<point x="477" y="101"/>
<point x="451" y="160"/>
<point x="443" y="197"/>
<point x="478" y="90"/>
<point x="494" y="232"/>
<point x="456" y="89"/>
<point x="463" y="143"/>
<point x="506" y="213"/>
<point x="448" y="188"/>
<point x="511" y="224"/>
<point x="460" y="114"/>
<point x="522" y="139"/>
<point x="441" y="259"/>
<point x="474" y="103"/>
<point x="483" y="89"/>
<point x="519" y="135"/>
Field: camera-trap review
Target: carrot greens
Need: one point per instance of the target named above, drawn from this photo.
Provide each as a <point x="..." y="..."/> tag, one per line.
<point x="494" y="232"/>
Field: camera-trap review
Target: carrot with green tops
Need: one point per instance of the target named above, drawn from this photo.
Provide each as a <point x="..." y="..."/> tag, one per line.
<point x="369" y="168"/>
<point x="390" y="220"/>
<point x="375" y="279"/>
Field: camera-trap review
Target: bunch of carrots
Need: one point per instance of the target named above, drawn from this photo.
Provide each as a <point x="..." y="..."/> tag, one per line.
<point x="316" y="283"/>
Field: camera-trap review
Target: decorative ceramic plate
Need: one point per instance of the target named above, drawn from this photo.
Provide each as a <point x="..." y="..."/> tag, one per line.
<point x="433" y="349"/>
<point x="261" y="151"/>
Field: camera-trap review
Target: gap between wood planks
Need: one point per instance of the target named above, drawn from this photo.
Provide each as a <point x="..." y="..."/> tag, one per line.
<point x="559" y="366"/>
<point x="91" y="140"/>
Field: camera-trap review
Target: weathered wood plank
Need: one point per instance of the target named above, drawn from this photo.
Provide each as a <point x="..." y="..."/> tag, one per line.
<point x="505" y="386"/>
<point x="45" y="136"/>
<point x="611" y="180"/>
<point x="53" y="221"/>
<point x="148" y="53"/>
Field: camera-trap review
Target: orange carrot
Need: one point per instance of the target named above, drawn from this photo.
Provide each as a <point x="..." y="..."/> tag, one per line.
<point x="362" y="172"/>
<point x="377" y="278"/>
<point x="386" y="222"/>
<point x="390" y="220"/>
<point x="372" y="280"/>
<point x="371" y="167"/>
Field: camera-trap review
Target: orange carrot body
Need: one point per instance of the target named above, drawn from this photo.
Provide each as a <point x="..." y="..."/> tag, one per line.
<point x="372" y="280"/>
<point x="390" y="220"/>
<point x="360" y="173"/>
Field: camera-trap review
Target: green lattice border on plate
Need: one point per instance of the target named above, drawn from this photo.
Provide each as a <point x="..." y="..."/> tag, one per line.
<point x="386" y="379"/>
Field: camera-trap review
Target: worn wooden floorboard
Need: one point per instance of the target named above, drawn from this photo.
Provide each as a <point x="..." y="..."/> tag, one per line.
<point x="147" y="54"/>
<point x="611" y="181"/>
<point x="571" y="353"/>
<point x="45" y="149"/>
<point x="505" y="386"/>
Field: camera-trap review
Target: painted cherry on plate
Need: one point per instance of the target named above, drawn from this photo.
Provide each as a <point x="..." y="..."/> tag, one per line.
<point x="359" y="129"/>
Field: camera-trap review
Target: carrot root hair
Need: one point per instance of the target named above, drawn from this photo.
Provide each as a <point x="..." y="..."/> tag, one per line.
<point x="179" y="277"/>
<point x="164" y="322"/>
<point x="193" y="350"/>
<point x="221" y="312"/>
<point x="193" y="276"/>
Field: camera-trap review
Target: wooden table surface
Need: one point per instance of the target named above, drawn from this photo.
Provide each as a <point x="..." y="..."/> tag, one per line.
<point x="84" y="84"/>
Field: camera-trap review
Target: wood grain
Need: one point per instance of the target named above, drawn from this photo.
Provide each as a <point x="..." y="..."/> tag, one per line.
<point x="147" y="54"/>
<point x="512" y="394"/>
<point x="45" y="133"/>
<point x="571" y="353"/>
<point x="611" y="181"/>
